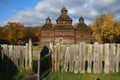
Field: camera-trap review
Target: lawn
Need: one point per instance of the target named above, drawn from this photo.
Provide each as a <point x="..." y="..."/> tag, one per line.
<point x="86" y="76"/>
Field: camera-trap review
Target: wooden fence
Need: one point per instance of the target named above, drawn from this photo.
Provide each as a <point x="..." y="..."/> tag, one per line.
<point x="19" y="55"/>
<point x="91" y="58"/>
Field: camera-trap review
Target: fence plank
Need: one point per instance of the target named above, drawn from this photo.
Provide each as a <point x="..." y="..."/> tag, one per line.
<point x="96" y="58"/>
<point x="107" y="62"/>
<point x="118" y="58"/>
<point x="21" y="56"/>
<point x="30" y="53"/>
<point x="100" y="57"/>
<point x="58" y="58"/>
<point x="82" y="57"/>
<point x="112" y="58"/>
<point x="89" y="69"/>
<point x="26" y="55"/>
<point x="66" y="58"/>
<point x="76" y="59"/>
<point x="62" y="55"/>
<point x="16" y="55"/>
<point x="71" y="61"/>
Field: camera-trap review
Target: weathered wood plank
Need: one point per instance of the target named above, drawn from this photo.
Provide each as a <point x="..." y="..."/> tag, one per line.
<point x="112" y="58"/>
<point x="96" y="58"/>
<point x="89" y="69"/>
<point x="82" y="57"/>
<point x="107" y="62"/>
<point x="118" y="58"/>
<point x="100" y="57"/>
<point x="30" y="53"/>
<point x="66" y="59"/>
<point x="26" y="55"/>
<point x="76" y="59"/>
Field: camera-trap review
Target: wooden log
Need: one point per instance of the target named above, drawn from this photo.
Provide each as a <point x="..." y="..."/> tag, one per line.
<point x="107" y="62"/>
<point x="89" y="69"/>
<point x="82" y="57"/>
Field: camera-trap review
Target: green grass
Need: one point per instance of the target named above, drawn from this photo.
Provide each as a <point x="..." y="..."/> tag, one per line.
<point x="36" y="48"/>
<point x="86" y="76"/>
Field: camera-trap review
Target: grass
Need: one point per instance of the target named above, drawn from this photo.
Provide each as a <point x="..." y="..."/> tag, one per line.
<point x="36" y="48"/>
<point x="86" y="76"/>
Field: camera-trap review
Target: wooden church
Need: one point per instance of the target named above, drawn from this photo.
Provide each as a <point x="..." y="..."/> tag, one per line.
<point x="64" y="32"/>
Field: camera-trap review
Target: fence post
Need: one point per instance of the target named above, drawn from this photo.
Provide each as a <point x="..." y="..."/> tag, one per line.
<point x="107" y="62"/>
<point x="10" y="52"/>
<point x="82" y="57"/>
<point x="30" y="53"/>
<point x="117" y="57"/>
<point x="16" y="55"/>
<point x="100" y="57"/>
<point x="62" y="55"/>
<point x="58" y="57"/>
<point x="38" y="72"/>
<point x="96" y="58"/>
<point x="52" y="54"/>
<point x="54" y="64"/>
<point x="112" y="58"/>
<point x="71" y="61"/>
<point x="76" y="59"/>
<point x="26" y="55"/>
<point x="89" y="58"/>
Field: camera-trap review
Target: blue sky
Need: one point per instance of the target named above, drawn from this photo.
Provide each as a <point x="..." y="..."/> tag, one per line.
<point x="9" y="8"/>
<point x="34" y="12"/>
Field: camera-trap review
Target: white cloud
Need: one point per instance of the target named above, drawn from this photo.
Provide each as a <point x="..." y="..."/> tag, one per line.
<point x="89" y="9"/>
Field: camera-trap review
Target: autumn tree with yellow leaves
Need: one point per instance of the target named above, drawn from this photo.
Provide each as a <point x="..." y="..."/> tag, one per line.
<point x="105" y="29"/>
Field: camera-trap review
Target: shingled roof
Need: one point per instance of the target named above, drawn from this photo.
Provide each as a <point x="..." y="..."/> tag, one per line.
<point x="48" y="24"/>
<point x="63" y="15"/>
<point x="81" y="24"/>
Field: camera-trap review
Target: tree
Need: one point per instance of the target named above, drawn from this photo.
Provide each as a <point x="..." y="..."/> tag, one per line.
<point x="105" y="29"/>
<point x="33" y="33"/>
<point x="14" y="32"/>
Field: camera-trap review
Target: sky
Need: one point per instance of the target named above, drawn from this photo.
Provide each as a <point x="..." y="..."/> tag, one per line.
<point x="34" y="12"/>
